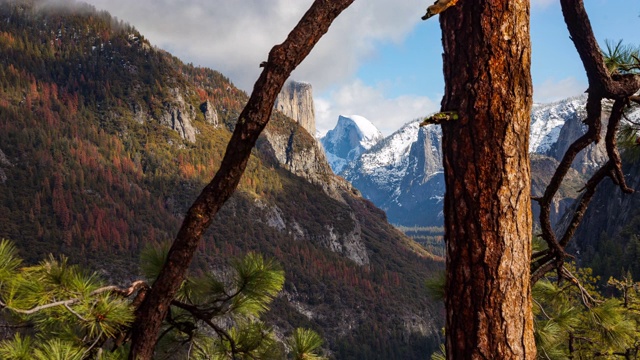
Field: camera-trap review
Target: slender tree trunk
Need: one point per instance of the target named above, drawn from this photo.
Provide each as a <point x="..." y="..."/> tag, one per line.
<point x="487" y="56"/>
<point x="283" y="59"/>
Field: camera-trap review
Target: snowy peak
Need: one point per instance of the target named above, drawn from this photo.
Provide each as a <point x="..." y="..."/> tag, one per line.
<point x="402" y="175"/>
<point x="351" y="137"/>
<point x="393" y="151"/>
<point x="369" y="134"/>
<point x="548" y="119"/>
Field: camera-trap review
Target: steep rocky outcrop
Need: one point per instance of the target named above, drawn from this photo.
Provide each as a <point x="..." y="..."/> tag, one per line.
<point x="300" y="153"/>
<point x="296" y="101"/>
<point x="210" y="113"/>
<point x="179" y="115"/>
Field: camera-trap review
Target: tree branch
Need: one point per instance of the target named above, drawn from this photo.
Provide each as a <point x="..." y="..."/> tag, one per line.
<point x="282" y="60"/>
<point x="620" y="88"/>
<point x="125" y="292"/>
<point x="585" y="199"/>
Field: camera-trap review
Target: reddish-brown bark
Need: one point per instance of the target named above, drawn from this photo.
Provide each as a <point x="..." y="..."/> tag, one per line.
<point x="282" y="60"/>
<point x="487" y="207"/>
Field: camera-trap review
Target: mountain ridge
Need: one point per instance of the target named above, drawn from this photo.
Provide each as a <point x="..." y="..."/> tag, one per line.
<point x="386" y="173"/>
<point x="100" y="162"/>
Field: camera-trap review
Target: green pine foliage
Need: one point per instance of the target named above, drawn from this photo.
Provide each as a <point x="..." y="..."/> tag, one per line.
<point x="69" y="314"/>
<point x="621" y="58"/>
<point x="68" y="311"/>
<point x="574" y="320"/>
<point x="305" y="345"/>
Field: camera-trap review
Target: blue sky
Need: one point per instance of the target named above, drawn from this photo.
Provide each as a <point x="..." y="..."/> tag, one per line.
<point x="379" y="60"/>
<point x="414" y="66"/>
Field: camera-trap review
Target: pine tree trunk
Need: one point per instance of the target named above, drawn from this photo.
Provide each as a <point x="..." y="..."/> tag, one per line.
<point x="487" y="56"/>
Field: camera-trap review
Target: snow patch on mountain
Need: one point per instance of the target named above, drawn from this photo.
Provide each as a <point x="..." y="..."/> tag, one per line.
<point x="403" y="175"/>
<point x="393" y="150"/>
<point x="547" y="121"/>
<point x="370" y="134"/>
<point x="352" y="136"/>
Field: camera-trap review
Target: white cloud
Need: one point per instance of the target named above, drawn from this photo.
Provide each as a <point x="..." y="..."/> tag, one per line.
<point x="234" y="37"/>
<point x="553" y="90"/>
<point x="356" y="98"/>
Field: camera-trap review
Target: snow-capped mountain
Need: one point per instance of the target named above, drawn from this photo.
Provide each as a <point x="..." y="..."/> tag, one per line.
<point x="352" y="136"/>
<point x="402" y="174"/>
<point x="547" y="121"/>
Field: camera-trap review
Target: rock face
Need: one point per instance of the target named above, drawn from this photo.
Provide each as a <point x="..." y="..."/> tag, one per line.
<point x="300" y="153"/>
<point x="402" y="174"/>
<point x="210" y="113"/>
<point x="352" y="136"/>
<point x="179" y="115"/>
<point x="555" y="126"/>
<point x="296" y="101"/>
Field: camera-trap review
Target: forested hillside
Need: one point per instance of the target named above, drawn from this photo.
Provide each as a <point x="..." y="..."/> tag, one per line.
<point x="105" y="141"/>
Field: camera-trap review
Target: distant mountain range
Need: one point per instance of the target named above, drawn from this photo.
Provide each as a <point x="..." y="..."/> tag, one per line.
<point x="402" y="173"/>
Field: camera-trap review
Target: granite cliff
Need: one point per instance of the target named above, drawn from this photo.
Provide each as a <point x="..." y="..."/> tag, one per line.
<point x="296" y="101"/>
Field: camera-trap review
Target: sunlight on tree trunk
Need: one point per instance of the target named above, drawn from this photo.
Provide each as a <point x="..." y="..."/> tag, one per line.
<point x="487" y="58"/>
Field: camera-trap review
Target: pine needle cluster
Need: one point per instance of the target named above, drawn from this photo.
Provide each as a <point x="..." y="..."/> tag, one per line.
<point x="66" y="312"/>
<point x="573" y="320"/>
<point x="63" y="312"/>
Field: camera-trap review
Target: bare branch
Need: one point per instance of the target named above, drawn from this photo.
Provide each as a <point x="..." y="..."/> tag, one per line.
<point x="124" y="292"/>
<point x="612" y="146"/>
<point x="74" y="313"/>
<point x="602" y="84"/>
<point x="586" y="297"/>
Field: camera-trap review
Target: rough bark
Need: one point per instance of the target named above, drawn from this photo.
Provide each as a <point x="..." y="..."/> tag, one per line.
<point x="487" y="207"/>
<point x="282" y="60"/>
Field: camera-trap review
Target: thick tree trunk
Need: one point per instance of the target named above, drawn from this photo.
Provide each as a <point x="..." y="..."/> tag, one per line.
<point x="283" y="59"/>
<point x="487" y="57"/>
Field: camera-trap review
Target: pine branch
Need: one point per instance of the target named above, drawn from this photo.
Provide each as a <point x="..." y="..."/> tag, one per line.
<point x="75" y="313"/>
<point x="125" y="292"/>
